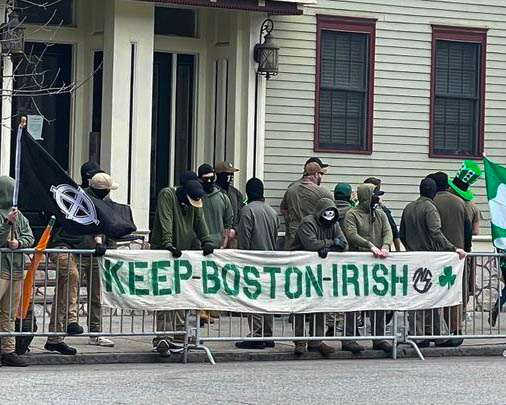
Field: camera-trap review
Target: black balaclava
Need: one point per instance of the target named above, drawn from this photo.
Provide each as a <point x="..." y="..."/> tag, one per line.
<point x="189" y="175"/>
<point x="255" y="190"/>
<point x="428" y="188"/>
<point x="224" y="180"/>
<point x="441" y="180"/>
<point x="88" y="170"/>
<point x="329" y="217"/>
<point x="207" y="182"/>
<point x="100" y="193"/>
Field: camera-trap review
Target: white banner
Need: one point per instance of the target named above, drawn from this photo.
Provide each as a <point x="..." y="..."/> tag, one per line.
<point x="280" y="282"/>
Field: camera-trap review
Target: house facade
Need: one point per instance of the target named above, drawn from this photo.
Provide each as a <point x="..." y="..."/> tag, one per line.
<point x="156" y="88"/>
<point x="389" y="89"/>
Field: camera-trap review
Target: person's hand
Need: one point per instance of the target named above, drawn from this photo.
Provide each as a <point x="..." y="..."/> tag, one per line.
<point x="338" y="243"/>
<point x="100" y="250"/>
<point x="354" y="196"/>
<point x="12" y="216"/>
<point x="176" y="253"/>
<point x="323" y="252"/>
<point x="385" y="252"/>
<point x="13" y="244"/>
<point x="461" y="253"/>
<point x="376" y="252"/>
<point x="207" y="249"/>
<point x="231" y="234"/>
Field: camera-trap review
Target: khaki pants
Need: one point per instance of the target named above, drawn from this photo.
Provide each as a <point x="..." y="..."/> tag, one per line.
<point x="65" y="301"/>
<point x="262" y="325"/>
<point x="10" y="293"/>
<point x="168" y="321"/>
<point x="316" y="327"/>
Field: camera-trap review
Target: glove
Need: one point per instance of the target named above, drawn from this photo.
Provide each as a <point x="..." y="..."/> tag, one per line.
<point x="207" y="249"/>
<point x="339" y="243"/>
<point x="100" y="250"/>
<point x="323" y="252"/>
<point x="176" y="253"/>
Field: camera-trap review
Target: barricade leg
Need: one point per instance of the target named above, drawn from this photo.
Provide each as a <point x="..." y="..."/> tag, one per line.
<point x="199" y="346"/>
<point x="405" y="337"/>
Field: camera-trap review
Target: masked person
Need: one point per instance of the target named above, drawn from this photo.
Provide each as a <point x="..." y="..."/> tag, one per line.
<point x="11" y="268"/>
<point x="301" y="198"/>
<point x="225" y="179"/>
<point x="421" y="232"/>
<point x="456" y="227"/>
<point x="65" y="302"/>
<point x="258" y="230"/>
<point x="88" y="170"/>
<point x="319" y="232"/>
<point x="367" y="230"/>
<point x="178" y="217"/>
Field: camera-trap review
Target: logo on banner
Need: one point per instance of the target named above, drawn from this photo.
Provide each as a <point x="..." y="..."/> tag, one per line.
<point x="422" y="280"/>
<point x="75" y="204"/>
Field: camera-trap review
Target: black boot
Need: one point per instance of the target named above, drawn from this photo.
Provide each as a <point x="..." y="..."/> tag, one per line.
<point x="74" y="329"/>
<point x="61" y="348"/>
<point x="13" y="360"/>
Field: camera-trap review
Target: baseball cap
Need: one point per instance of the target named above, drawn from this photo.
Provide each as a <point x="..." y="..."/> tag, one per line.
<point x="194" y="192"/>
<point x="312" y="168"/>
<point x="225" y="167"/>
<point x="316" y="160"/>
<point x="102" y="181"/>
<point x="342" y="191"/>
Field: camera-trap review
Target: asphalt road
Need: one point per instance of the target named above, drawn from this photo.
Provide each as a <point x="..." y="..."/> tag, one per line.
<point x="468" y="380"/>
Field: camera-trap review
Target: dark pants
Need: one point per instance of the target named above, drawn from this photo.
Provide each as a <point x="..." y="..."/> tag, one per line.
<point x="316" y="327"/>
<point x="377" y="319"/>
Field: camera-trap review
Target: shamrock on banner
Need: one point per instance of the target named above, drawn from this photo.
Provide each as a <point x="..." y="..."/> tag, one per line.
<point x="495" y="176"/>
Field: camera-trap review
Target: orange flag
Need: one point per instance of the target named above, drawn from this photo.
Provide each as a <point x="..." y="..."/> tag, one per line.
<point x="30" y="276"/>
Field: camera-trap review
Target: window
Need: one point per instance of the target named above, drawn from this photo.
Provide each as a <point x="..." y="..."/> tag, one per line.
<point x="46" y="12"/>
<point x="175" y="21"/>
<point x="458" y="92"/>
<point x="344" y="84"/>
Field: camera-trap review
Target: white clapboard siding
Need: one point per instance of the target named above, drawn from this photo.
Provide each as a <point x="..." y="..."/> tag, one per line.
<point x="402" y="96"/>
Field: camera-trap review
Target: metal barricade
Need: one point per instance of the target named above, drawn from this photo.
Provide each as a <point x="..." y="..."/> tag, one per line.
<point x="480" y="316"/>
<point x="66" y="290"/>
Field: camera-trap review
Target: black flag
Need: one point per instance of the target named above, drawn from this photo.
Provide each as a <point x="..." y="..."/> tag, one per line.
<point x="44" y="186"/>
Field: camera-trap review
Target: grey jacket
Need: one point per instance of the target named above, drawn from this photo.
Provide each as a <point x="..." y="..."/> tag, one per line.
<point x="258" y="227"/>
<point x="313" y="235"/>
<point x="421" y="227"/>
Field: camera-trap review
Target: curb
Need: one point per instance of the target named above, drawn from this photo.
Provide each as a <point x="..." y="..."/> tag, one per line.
<point x="197" y="356"/>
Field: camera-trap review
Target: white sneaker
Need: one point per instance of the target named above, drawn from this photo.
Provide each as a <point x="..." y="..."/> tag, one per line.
<point x="100" y="341"/>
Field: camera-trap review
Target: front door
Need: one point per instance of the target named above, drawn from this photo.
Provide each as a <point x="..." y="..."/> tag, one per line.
<point x="172" y="125"/>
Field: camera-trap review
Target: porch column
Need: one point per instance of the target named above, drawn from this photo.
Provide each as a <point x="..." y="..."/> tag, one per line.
<point x="127" y="102"/>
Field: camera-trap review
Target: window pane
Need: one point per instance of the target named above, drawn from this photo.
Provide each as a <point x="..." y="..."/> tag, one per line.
<point x="457" y="73"/>
<point x="46" y="12"/>
<point x="343" y="90"/>
<point x="175" y="21"/>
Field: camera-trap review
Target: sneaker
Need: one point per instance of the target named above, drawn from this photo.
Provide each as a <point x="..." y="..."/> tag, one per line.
<point x="163" y="348"/>
<point x="100" y="341"/>
<point x="74" y="329"/>
<point x="251" y="344"/>
<point x="383" y="345"/>
<point x="61" y="348"/>
<point x="300" y="348"/>
<point x="353" y="347"/>
<point x="13" y="360"/>
<point x="323" y="349"/>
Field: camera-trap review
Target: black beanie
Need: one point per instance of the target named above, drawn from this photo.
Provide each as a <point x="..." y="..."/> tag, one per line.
<point x="88" y="170"/>
<point x="189" y="175"/>
<point x="255" y="189"/>
<point x="205" y="169"/>
<point x="441" y="180"/>
<point x="428" y="188"/>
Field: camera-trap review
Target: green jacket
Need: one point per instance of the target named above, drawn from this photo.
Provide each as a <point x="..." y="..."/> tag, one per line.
<point x="298" y="202"/>
<point x="62" y="239"/>
<point x="172" y="228"/>
<point x="313" y="236"/>
<point x="421" y="227"/>
<point x="218" y="214"/>
<point x="12" y="264"/>
<point x="342" y="208"/>
<point x="236" y="200"/>
<point x="365" y="229"/>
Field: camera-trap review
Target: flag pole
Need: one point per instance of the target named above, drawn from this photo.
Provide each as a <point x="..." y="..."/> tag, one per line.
<point x="17" y="179"/>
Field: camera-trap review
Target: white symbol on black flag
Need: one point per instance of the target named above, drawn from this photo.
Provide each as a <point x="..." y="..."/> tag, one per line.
<point x="75" y="204"/>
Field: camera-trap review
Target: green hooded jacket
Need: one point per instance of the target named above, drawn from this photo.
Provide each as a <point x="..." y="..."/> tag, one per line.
<point x="22" y="233"/>
<point x="312" y="235"/>
<point x="173" y="229"/>
<point x="364" y="227"/>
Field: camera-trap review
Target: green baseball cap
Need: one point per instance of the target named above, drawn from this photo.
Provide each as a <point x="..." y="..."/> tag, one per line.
<point x="467" y="175"/>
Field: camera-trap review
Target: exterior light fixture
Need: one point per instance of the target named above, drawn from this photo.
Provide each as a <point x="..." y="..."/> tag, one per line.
<point x="13" y="36"/>
<point x="266" y="52"/>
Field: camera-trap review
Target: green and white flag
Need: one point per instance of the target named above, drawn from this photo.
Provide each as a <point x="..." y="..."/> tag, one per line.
<point x="496" y="192"/>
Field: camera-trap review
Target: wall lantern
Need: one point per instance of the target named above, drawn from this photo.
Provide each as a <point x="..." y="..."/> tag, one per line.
<point x="13" y="36"/>
<point x="266" y="52"/>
